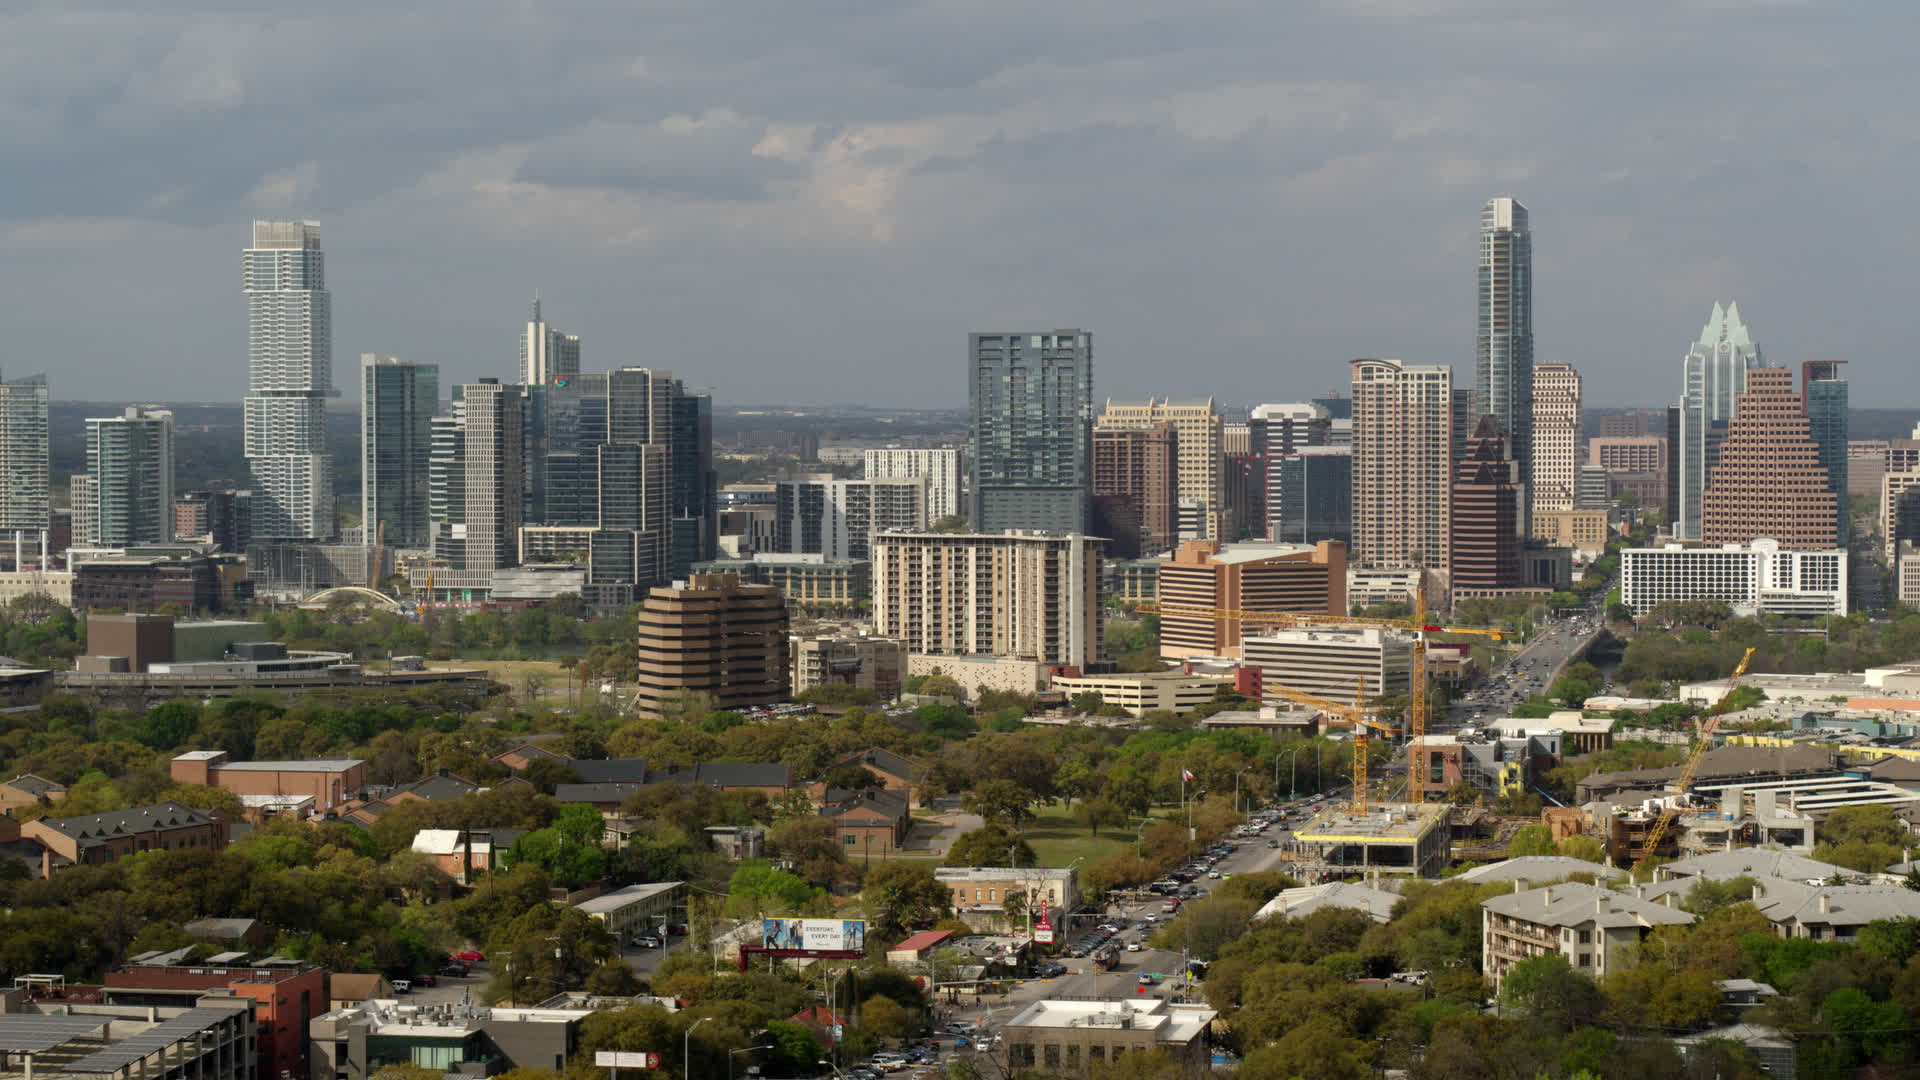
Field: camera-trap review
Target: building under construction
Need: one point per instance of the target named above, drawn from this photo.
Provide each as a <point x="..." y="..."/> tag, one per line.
<point x="1406" y="839"/>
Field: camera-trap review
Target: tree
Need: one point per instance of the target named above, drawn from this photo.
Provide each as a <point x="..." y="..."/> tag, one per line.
<point x="883" y="1016"/>
<point x="790" y="1048"/>
<point x="1086" y="703"/>
<point x="903" y="895"/>
<point x="1314" y="1050"/>
<point x="581" y="824"/>
<point x="812" y="845"/>
<point x="615" y="978"/>
<point x="1584" y="847"/>
<point x="756" y="888"/>
<point x="992" y="844"/>
<point x="1530" y="840"/>
<point x="1546" y="990"/>
<point x="169" y="724"/>
<point x="999" y="799"/>
<point x="852" y="777"/>
<point x="547" y="774"/>
<point x="1098" y="812"/>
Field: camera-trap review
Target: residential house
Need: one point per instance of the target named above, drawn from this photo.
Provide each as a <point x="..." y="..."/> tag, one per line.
<point x="1776" y="1052"/>
<point x="897" y="773"/>
<point x="1753" y="862"/>
<point x="30" y="790"/>
<point x="1593" y="927"/>
<point x="442" y="785"/>
<point x="526" y="754"/>
<point x="345" y="989"/>
<point x="869" y="821"/>
<point x="823" y="1022"/>
<point x="93" y="839"/>
<point x="1531" y="870"/>
<point x="462" y="853"/>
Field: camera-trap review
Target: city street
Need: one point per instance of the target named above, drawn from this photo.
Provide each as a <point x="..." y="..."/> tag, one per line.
<point x="1527" y="672"/>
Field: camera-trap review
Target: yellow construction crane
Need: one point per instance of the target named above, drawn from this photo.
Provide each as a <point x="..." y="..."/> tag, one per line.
<point x="1708" y="725"/>
<point x="1418" y="625"/>
<point x="1353" y="714"/>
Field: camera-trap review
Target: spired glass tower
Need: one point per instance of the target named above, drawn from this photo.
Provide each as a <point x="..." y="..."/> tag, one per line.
<point x="1503" y="337"/>
<point x="289" y="378"/>
<point x="1713" y="375"/>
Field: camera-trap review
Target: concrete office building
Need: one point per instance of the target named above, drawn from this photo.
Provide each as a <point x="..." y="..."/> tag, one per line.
<point x="1584" y="530"/>
<point x="713" y="636"/>
<point x="477" y="477"/>
<point x="1768" y="481"/>
<point x="1760" y="578"/>
<point x="25" y="503"/>
<point x="126" y="496"/>
<point x="1899" y="510"/>
<point x="1244" y="577"/>
<point x="1624" y="425"/>
<point x="1087" y="1035"/>
<point x="1556" y="436"/>
<point x="1031" y="399"/>
<point x="839" y="518"/>
<point x="1503" y="370"/>
<point x="289" y="379"/>
<point x="1028" y="596"/>
<point x="1134" y="475"/>
<point x="1712" y="377"/>
<point x="859" y="660"/>
<point x="1628" y="454"/>
<point x="939" y="467"/>
<point x="1485" y="529"/>
<point x="1402" y="464"/>
<point x="398" y="402"/>
<point x="1199" y="473"/>
<point x="1332" y="663"/>
<point x="1823" y="393"/>
<point x="547" y="354"/>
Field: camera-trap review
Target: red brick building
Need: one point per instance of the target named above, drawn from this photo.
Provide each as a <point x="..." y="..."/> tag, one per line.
<point x="285" y="998"/>
<point x="93" y="839"/>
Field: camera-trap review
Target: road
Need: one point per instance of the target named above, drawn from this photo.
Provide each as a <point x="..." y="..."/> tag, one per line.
<point x="1527" y="672"/>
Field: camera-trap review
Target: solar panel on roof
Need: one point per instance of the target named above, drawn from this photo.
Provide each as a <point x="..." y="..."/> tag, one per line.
<point x="149" y="1042"/>
<point x="33" y="1034"/>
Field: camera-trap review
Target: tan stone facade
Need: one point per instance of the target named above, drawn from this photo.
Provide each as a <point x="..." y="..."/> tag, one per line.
<point x="1246" y="577"/>
<point x="716" y="636"/>
<point x="1556" y="436"/>
<point x="1402" y="464"/>
<point x="1024" y="595"/>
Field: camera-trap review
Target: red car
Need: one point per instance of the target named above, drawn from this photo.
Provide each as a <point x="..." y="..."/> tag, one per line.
<point x="469" y="957"/>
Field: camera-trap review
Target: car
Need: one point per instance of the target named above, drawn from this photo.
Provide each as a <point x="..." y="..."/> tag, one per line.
<point x="1213" y="873"/>
<point x="1148" y="978"/>
<point x="422" y="980"/>
<point x="456" y="971"/>
<point x="646" y="941"/>
<point x="1049" y="970"/>
<point x="677" y="929"/>
<point x="471" y="956"/>
<point x="887" y="1061"/>
<point x="1134" y="945"/>
<point x="402" y="986"/>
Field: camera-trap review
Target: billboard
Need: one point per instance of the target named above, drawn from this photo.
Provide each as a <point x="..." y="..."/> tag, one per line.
<point x="814" y="935"/>
<point x="621" y="1059"/>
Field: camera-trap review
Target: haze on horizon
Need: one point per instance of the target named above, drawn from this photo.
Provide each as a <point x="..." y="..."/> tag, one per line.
<point x="814" y="203"/>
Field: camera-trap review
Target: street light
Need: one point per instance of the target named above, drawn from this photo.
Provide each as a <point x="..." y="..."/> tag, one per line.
<point x="1290" y="770"/>
<point x="731" y="1053"/>
<point x="1236" y="788"/>
<point x="686" y="1047"/>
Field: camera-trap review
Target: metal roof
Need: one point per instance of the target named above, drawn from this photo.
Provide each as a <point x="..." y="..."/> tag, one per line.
<point x="22" y="1033"/>
<point x="151" y="1041"/>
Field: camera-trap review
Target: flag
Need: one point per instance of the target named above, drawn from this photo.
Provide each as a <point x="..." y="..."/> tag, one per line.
<point x="1186" y="777"/>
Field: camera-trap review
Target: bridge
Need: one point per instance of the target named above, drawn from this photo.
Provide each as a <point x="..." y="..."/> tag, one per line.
<point x="375" y="597"/>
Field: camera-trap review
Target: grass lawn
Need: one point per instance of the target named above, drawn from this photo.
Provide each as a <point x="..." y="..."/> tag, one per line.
<point x="1058" y="838"/>
<point x="514" y="673"/>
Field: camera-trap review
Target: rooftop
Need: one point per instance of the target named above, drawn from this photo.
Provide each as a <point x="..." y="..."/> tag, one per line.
<point x="1293" y="903"/>
<point x="1572" y="904"/>
<point x="1531" y="869"/>
<point x="1177" y="1024"/>
<point x="315" y="765"/>
<point x="1002" y="873"/>
<point x="1393" y="823"/>
<point x="137" y="820"/>
<point x="632" y="894"/>
<point x="1756" y="862"/>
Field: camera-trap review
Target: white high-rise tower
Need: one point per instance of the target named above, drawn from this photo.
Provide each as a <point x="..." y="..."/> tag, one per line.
<point x="289" y="378"/>
<point x="547" y="354"/>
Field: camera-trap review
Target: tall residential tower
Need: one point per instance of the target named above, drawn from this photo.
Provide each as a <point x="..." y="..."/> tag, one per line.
<point x="25" y="504"/>
<point x="289" y="379"/>
<point x="1402" y="465"/>
<point x="126" y="494"/>
<point x="1503" y="337"/>
<point x="398" y="402"/>
<point x="1031" y="397"/>
<point x="1556" y="437"/>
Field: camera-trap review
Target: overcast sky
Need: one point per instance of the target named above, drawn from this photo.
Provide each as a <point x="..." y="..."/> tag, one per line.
<point x="814" y="200"/>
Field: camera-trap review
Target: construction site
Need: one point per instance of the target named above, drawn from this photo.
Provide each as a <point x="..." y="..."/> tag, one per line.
<point x="1386" y="839"/>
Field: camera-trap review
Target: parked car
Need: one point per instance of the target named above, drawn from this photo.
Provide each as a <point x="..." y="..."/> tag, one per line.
<point x="1133" y="946"/>
<point x="457" y="971"/>
<point x="472" y="956"/>
<point x="646" y="941"/>
<point x="422" y="980"/>
<point x="402" y="986"/>
<point x="677" y="929"/>
<point x="888" y="1061"/>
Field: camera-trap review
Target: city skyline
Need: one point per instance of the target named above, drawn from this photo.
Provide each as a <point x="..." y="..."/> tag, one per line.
<point x="1283" y="212"/>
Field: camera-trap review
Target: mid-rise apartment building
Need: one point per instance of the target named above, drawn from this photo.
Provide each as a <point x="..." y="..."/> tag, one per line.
<point x="839" y="518"/>
<point x="1763" y="577"/>
<point x="1556" y="436"/>
<point x="1254" y="577"/>
<point x="1403" y="434"/>
<point x="1594" y="927"/>
<point x="1026" y="595"/>
<point x="1629" y="454"/>
<point x="126" y="495"/>
<point x="1769" y="480"/>
<point x="713" y="636"/>
<point x="940" y="468"/>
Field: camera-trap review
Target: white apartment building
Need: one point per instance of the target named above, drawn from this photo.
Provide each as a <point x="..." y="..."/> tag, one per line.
<point x="1556" y="436"/>
<point x="289" y="379"/>
<point x="1402" y="465"/>
<point x="1332" y="663"/>
<point x="1030" y="596"/>
<point x="1595" y="928"/>
<point x="940" y="469"/>
<point x="1755" y="578"/>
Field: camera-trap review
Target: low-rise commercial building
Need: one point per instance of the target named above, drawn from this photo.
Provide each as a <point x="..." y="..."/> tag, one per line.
<point x="984" y="890"/>
<point x="328" y="782"/>
<point x="358" y="1041"/>
<point x="868" y="822"/>
<point x="1077" y="1035"/>
<point x="206" y="1039"/>
<point x="1269" y="720"/>
<point x="1594" y="927"/>
<point x="1142" y="692"/>
<point x="285" y="995"/>
<point x="857" y="660"/>
<point x="637" y="908"/>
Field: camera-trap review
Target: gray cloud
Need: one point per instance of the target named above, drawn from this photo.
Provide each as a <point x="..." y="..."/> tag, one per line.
<point x="816" y="201"/>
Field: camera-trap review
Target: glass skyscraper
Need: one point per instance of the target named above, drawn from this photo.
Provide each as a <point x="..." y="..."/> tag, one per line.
<point x="1503" y="337"/>
<point x="289" y="378"/>
<point x="129" y="479"/>
<point x="1031" y="437"/>
<point x="398" y="402"/>
<point x="25" y="504"/>
<point x="1713" y="375"/>
<point x="1825" y="393"/>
